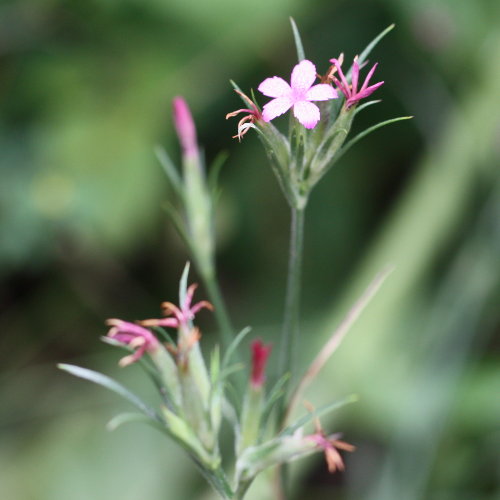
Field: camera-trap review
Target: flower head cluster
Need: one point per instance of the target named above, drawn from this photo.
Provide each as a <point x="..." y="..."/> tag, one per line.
<point x="301" y="92"/>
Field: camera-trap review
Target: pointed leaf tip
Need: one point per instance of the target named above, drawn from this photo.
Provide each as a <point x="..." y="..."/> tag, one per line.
<point x="298" y="42"/>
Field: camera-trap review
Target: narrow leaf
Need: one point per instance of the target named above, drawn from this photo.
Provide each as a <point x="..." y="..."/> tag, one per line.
<point x="112" y="385"/>
<point x="215" y="168"/>
<point x="183" y="284"/>
<point x="169" y="168"/>
<point x="127" y="418"/>
<point x="362" y="57"/>
<point x="276" y="393"/>
<point x="229" y="370"/>
<point x="177" y="222"/>
<point x="215" y="365"/>
<point x="298" y="42"/>
<point x="369" y="130"/>
<point x="317" y="413"/>
<point x="365" y="105"/>
<point x="234" y="345"/>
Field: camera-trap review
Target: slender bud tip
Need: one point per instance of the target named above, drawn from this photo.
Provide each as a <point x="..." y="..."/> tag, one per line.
<point x="260" y="354"/>
<point x="185" y="127"/>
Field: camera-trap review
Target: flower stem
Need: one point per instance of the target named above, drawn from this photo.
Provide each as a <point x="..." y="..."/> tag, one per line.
<point x="291" y="322"/>
<point x="291" y="325"/>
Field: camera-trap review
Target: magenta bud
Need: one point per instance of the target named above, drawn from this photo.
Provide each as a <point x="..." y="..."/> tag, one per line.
<point x="184" y="125"/>
<point x="260" y="353"/>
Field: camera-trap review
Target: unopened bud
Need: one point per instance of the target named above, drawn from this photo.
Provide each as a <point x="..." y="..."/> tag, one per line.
<point x="184" y="125"/>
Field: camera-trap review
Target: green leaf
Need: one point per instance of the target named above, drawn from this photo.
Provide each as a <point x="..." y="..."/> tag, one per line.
<point x="369" y="130"/>
<point x="298" y="42"/>
<point x="215" y="168"/>
<point x="276" y="392"/>
<point x="365" y="105"/>
<point x="229" y="370"/>
<point x="317" y="413"/>
<point x="178" y="222"/>
<point x="235" y="86"/>
<point x="215" y="365"/>
<point x="112" y="385"/>
<point x="254" y="99"/>
<point x="126" y="418"/>
<point x="149" y="367"/>
<point x="233" y="346"/>
<point x="183" y="284"/>
<point x="183" y="433"/>
<point x="170" y="169"/>
<point x="362" y="57"/>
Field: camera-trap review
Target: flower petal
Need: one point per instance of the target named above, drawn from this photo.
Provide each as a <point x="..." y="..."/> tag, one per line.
<point x="303" y="75"/>
<point x="355" y="75"/>
<point x="275" y="87"/>
<point x="321" y="92"/>
<point x="368" y="77"/>
<point x="366" y="92"/>
<point x="276" y="107"/>
<point x="307" y="113"/>
<point x="345" y="88"/>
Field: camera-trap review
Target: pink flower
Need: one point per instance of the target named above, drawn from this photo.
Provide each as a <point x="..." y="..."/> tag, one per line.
<point x="351" y="92"/>
<point x="184" y="125"/>
<point x="329" y="445"/>
<point x="179" y="317"/>
<point x="299" y="95"/>
<point x="260" y="353"/>
<point x="134" y="336"/>
<point x="246" y="122"/>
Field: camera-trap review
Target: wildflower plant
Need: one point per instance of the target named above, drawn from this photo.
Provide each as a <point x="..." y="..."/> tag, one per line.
<point x="193" y="397"/>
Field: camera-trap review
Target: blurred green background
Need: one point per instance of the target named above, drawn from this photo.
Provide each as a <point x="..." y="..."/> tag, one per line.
<point x="85" y="91"/>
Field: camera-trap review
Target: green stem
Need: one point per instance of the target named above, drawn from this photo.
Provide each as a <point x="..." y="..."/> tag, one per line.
<point x="219" y="482"/>
<point x="291" y="325"/>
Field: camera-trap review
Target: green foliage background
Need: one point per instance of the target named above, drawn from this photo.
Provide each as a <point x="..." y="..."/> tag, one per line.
<point x="85" y="90"/>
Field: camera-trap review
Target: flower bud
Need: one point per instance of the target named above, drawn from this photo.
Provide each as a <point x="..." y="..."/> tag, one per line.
<point x="260" y="353"/>
<point x="184" y="125"/>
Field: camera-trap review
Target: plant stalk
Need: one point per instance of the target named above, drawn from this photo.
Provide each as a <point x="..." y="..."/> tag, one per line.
<point x="291" y="318"/>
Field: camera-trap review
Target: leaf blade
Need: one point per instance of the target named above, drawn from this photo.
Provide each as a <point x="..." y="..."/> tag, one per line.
<point x="298" y="41"/>
<point x="111" y="384"/>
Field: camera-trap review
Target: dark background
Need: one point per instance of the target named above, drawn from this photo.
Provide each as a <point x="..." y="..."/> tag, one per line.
<point x="85" y="91"/>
